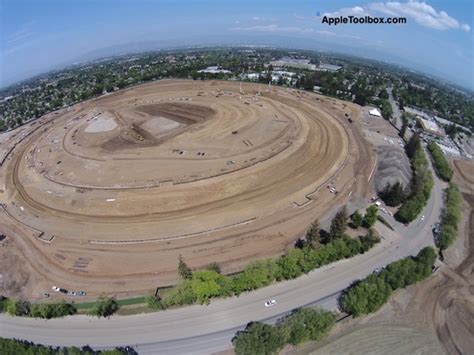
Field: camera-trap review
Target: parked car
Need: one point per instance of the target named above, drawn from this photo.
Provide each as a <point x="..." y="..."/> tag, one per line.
<point x="270" y="303"/>
<point x="81" y="293"/>
<point x="55" y="288"/>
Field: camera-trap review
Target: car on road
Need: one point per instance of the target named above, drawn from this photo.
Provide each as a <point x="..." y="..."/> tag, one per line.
<point x="81" y="293"/>
<point x="270" y="303"/>
<point x="71" y="293"/>
<point x="423" y="217"/>
<point x="55" y="288"/>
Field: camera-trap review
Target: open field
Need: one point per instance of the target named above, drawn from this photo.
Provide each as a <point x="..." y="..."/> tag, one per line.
<point x="104" y="196"/>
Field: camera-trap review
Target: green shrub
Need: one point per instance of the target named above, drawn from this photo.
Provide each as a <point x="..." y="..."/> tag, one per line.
<point x="307" y="324"/>
<point x="370" y="216"/>
<point x="17" y="307"/>
<point x="104" y="307"/>
<point x="52" y="310"/>
<point x="154" y="302"/>
<point x="258" y="338"/>
<point x="356" y="219"/>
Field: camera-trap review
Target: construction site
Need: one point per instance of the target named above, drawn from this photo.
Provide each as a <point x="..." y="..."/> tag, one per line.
<point x="104" y="196"/>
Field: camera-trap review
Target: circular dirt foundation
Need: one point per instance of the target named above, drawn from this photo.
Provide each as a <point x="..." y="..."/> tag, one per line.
<point x="118" y="187"/>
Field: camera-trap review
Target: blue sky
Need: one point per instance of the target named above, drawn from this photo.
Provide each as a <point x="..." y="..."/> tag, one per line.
<point x="39" y="35"/>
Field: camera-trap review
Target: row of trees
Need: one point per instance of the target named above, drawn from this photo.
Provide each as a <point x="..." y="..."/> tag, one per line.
<point x="103" y="307"/>
<point x="320" y="248"/>
<point x="363" y="297"/>
<point x="373" y="292"/>
<point x="451" y="217"/>
<point x="37" y="310"/>
<point x="18" y="347"/>
<point x="440" y="162"/>
<point x="303" y="325"/>
<point x="422" y="182"/>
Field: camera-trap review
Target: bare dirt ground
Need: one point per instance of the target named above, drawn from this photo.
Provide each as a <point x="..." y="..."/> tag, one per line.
<point x="104" y="196"/>
<point x="433" y="317"/>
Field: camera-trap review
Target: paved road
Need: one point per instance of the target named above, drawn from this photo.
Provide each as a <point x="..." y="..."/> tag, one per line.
<point x="206" y="329"/>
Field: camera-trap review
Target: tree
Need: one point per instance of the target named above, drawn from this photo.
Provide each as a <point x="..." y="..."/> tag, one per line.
<point x="155" y="302"/>
<point x="360" y="99"/>
<point x="104" y="307"/>
<point x="258" y="338"/>
<point x="338" y="224"/>
<point x="207" y="284"/>
<point x="383" y="94"/>
<point x="17" y="307"/>
<point x="404" y="126"/>
<point x="52" y="310"/>
<point x="413" y="145"/>
<point x="307" y="324"/>
<point x="393" y="195"/>
<point x="367" y="296"/>
<point x="214" y="267"/>
<point x="313" y="234"/>
<point x="356" y="219"/>
<point x="370" y="216"/>
<point x="184" y="270"/>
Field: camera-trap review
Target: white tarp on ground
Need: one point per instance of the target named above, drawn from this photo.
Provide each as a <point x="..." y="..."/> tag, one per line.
<point x="375" y="112"/>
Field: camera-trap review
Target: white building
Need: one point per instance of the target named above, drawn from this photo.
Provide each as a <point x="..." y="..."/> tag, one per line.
<point x="214" y="70"/>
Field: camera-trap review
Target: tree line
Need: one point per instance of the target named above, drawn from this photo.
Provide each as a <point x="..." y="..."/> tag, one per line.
<point x="451" y="217"/>
<point x="441" y="164"/>
<point x="317" y="249"/>
<point x="370" y="294"/>
<point x="309" y="324"/>
<point x="422" y="182"/>
<point x="301" y="326"/>
<point x="103" y="307"/>
<point x="20" y="347"/>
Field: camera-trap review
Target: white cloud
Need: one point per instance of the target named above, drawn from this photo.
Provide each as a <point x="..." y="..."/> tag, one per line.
<point x="346" y="11"/>
<point x="420" y="12"/>
<point x="273" y="28"/>
<point x="22" y="34"/>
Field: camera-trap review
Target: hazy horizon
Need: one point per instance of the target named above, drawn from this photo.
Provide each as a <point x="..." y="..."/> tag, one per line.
<point x="40" y="37"/>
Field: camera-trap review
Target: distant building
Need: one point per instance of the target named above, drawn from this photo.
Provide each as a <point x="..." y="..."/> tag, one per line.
<point x="214" y="70"/>
<point x="430" y="126"/>
<point x="294" y="63"/>
<point x="329" y="67"/>
<point x="251" y="76"/>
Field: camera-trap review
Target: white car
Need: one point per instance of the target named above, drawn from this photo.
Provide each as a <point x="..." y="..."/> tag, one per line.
<point x="270" y="303"/>
<point x="56" y="288"/>
<point x="423" y="218"/>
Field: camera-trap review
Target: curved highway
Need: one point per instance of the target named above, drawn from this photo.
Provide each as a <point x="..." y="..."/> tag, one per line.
<point x="207" y="329"/>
